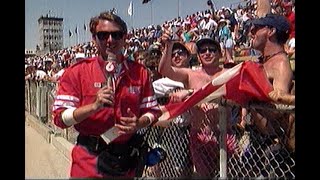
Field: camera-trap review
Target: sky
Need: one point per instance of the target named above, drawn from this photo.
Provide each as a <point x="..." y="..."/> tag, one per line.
<point x="76" y="13"/>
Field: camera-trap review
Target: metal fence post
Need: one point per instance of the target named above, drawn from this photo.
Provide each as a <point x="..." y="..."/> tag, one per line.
<point x="41" y="101"/>
<point x="27" y="96"/>
<point x="33" y="97"/>
<point x="38" y="100"/>
<point x="222" y="141"/>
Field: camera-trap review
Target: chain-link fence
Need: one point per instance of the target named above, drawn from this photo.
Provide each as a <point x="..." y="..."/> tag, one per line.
<point x="257" y="150"/>
<point x="266" y="145"/>
<point x="210" y="146"/>
<point x="39" y="98"/>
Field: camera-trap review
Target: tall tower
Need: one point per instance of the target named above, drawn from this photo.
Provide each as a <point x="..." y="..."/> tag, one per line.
<point x="51" y="34"/>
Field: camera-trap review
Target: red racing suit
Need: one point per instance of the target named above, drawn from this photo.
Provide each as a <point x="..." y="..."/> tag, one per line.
<point x="78" y="87"/>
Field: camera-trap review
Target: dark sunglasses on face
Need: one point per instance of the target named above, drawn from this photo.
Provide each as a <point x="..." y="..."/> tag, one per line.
<point x="179" y="52"/>
<point x="116" y="35"/>
<point x="210" y="49"/>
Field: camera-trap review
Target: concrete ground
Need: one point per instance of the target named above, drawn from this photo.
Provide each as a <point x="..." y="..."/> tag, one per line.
<point x="42" y="159"/>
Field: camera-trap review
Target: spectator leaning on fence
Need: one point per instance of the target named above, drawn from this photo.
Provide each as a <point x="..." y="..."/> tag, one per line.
<point x="104" y="92"/>
<point x="204" y="117"/>
<point x="275" y="128"/>
<point x="268" y="35"/>
<point x="165" y="89"/>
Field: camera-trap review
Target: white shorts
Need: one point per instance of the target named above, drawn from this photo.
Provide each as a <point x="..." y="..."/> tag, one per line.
<point x="229" y="43"/>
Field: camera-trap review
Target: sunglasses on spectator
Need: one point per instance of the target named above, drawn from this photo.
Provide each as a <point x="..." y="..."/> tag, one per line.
<point x="210" y="49"/>
<point x="116" y="35"/>
<point x="179" y="52"/>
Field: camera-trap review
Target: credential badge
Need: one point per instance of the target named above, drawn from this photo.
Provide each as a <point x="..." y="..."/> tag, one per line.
<point x="110" y="67"/>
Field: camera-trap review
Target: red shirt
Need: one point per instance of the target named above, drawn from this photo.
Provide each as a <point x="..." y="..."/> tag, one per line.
<point x="292" y="20"/>
<point x="80" y="83"/>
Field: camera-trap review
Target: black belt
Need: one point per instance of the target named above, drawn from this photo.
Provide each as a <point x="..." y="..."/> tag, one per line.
<point x="96" y="144"/>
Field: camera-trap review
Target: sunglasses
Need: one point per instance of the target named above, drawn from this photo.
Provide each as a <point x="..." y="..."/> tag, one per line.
<point x="102" y="35"/>
<point x="210" y="49"/>
<point x="179" y="52"/>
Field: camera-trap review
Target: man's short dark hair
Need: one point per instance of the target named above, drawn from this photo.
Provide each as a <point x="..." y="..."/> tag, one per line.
<point x="109" y="16"/>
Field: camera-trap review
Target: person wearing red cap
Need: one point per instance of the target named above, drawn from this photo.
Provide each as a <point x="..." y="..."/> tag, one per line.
<point x="107" y="99"/>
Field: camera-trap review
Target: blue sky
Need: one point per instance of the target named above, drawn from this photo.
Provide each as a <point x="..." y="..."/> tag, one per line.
<point x="76" y="13"/>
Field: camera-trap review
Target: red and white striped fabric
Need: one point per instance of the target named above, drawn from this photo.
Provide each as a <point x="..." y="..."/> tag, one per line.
<point x="244" y="82"/>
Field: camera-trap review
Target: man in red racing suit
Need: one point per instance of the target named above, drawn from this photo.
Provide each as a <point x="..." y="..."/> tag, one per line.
<point x="83" y="99"/>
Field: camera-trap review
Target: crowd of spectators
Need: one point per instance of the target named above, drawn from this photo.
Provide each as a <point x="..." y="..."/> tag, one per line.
<point x="228" y="26"/>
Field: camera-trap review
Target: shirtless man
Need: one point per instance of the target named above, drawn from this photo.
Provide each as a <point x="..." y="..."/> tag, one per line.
<point x="205" y="117"/>
<point x="268" y="35"/>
